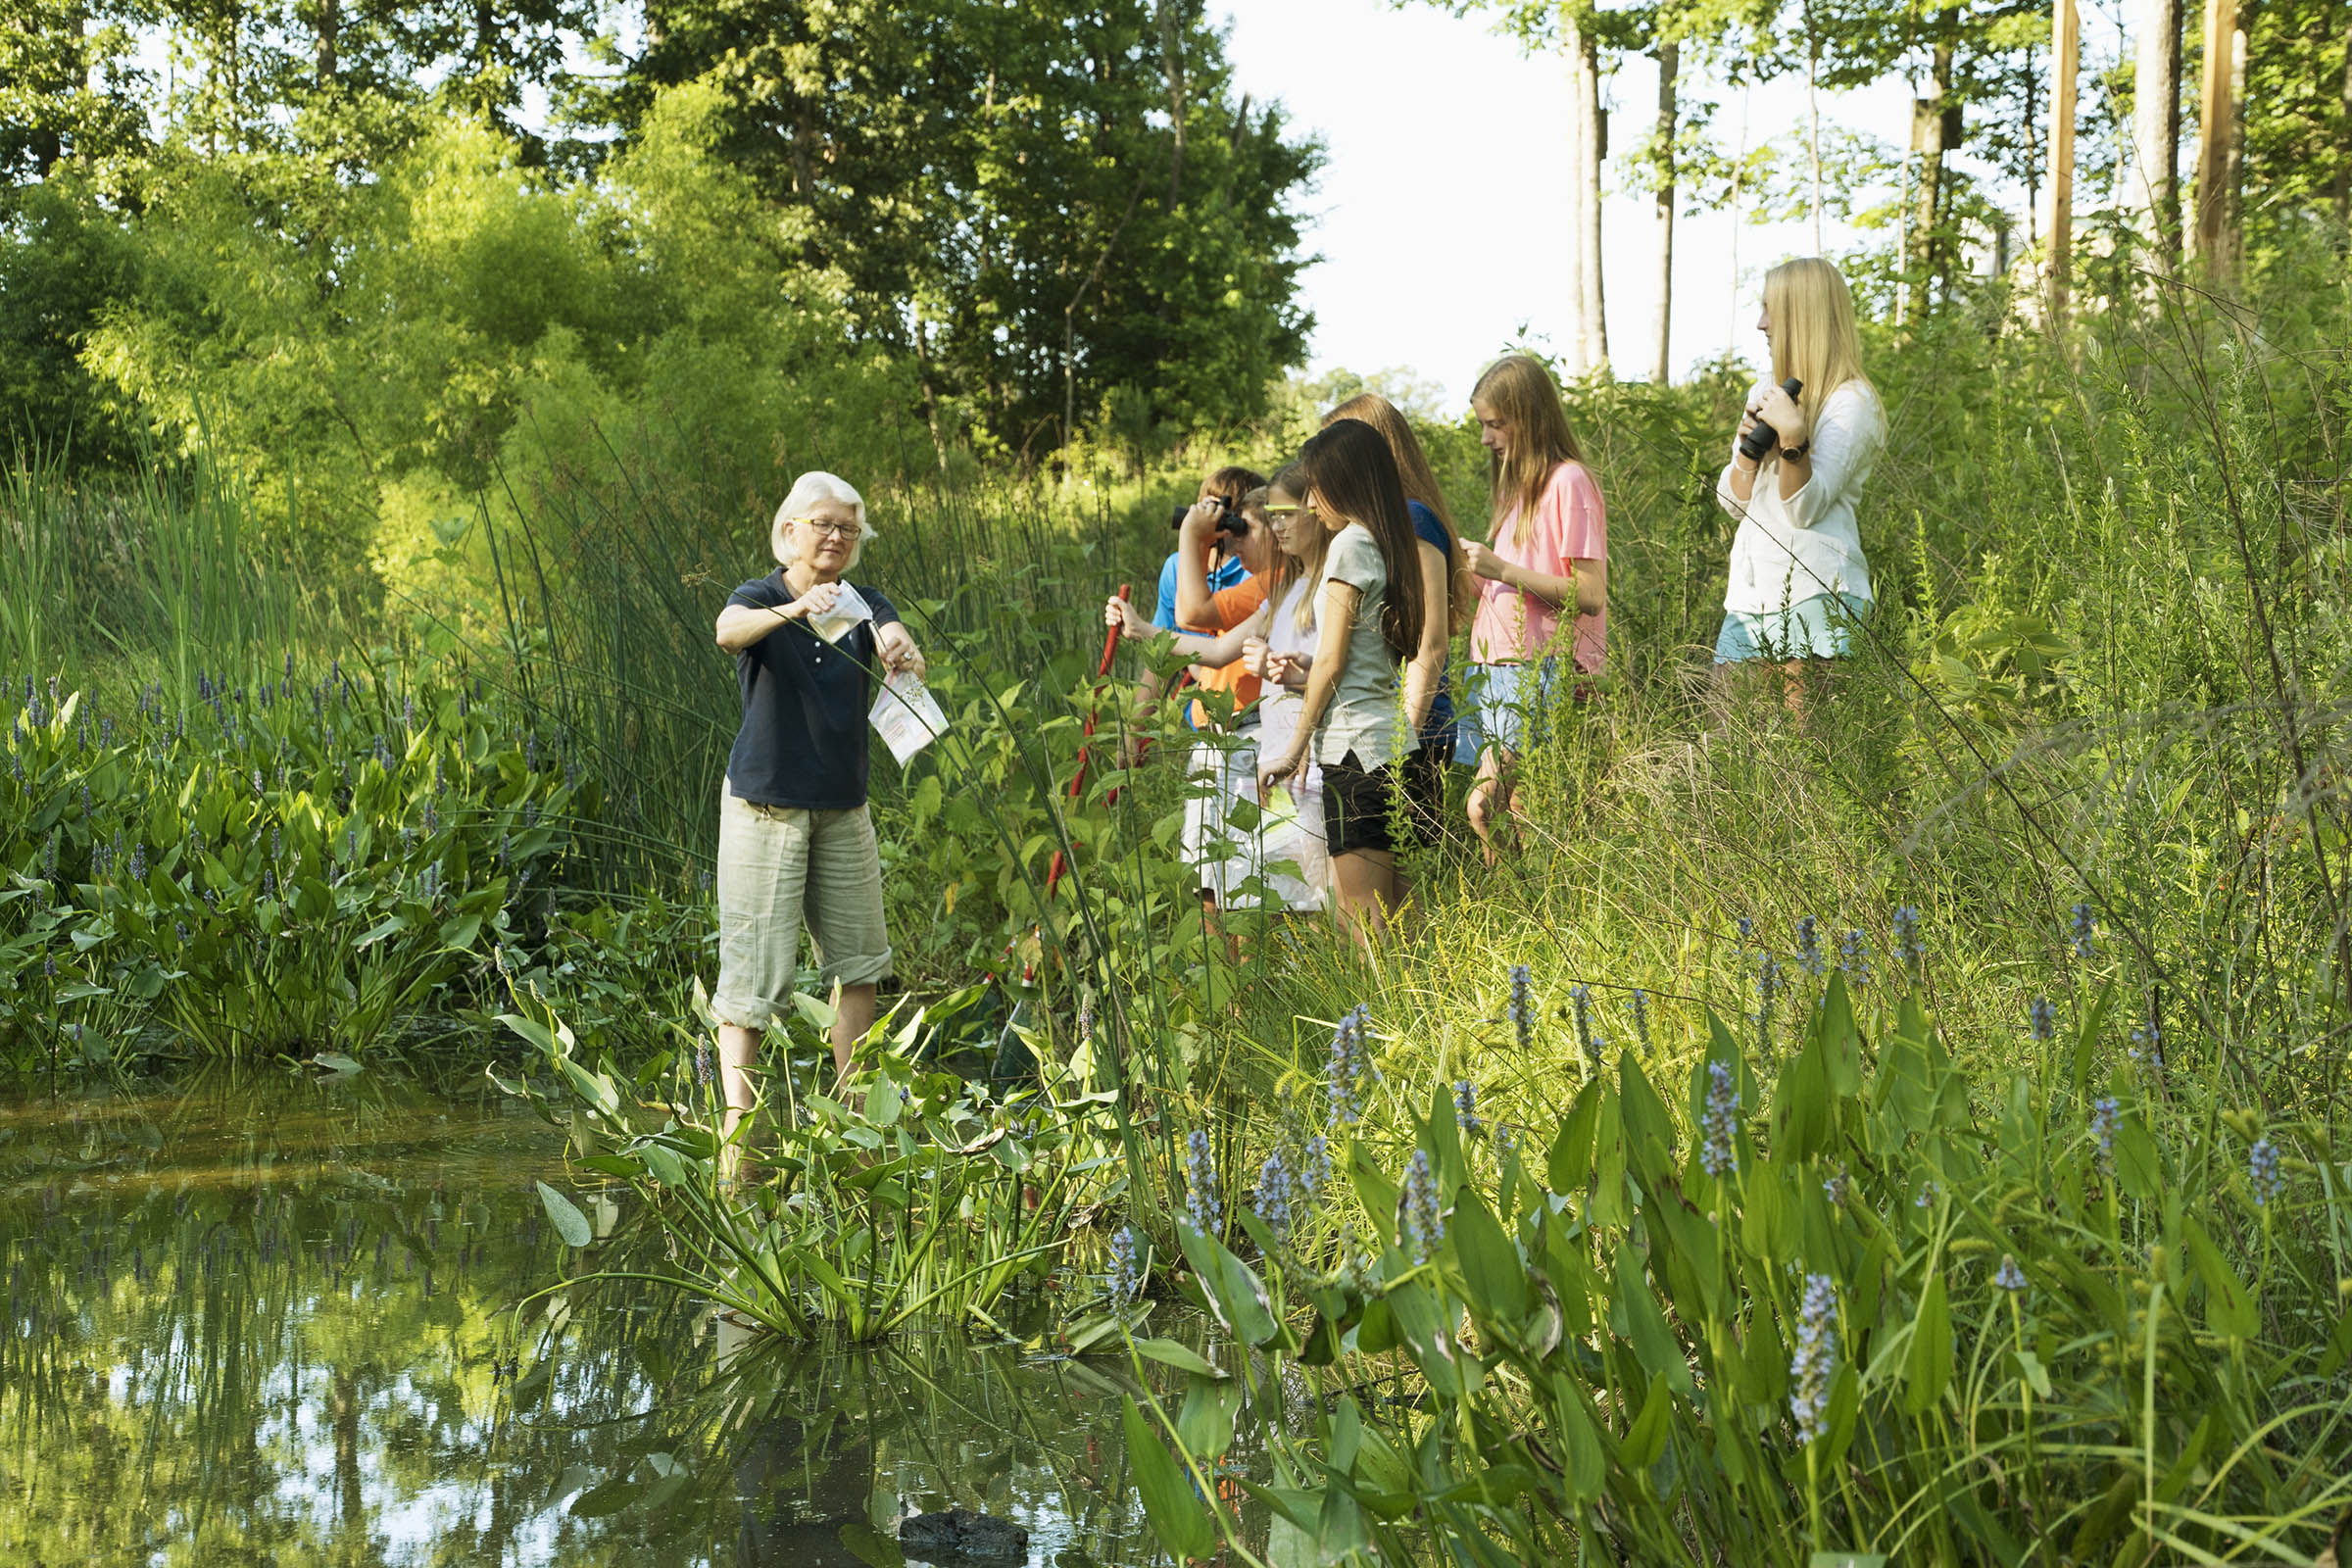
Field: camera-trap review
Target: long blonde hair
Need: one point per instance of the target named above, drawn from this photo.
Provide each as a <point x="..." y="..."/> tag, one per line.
<point x="1288" y="570"/>
<point x="1420" y="484"/>
<point x="1814" y="337"/>
<point x="1519" y="391"/>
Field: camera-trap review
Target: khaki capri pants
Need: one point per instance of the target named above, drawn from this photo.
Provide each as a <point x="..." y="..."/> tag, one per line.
<point x="779" y="868"/>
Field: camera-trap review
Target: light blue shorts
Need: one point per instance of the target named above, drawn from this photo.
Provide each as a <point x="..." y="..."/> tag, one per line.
<point x="1501" y="705"/>
<point x="1819" y="628"/>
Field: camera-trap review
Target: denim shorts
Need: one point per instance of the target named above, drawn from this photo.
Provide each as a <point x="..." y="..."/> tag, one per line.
<point x="1502" y="704"/>
<point x="1821" y="627"/>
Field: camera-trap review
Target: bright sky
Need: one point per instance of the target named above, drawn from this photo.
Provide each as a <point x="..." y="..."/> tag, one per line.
<point x="1443" y="207"/>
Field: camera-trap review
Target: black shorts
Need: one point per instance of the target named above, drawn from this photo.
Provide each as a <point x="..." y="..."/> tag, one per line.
<point x="1425" y="791"/>
<point x="1360" y="805"/>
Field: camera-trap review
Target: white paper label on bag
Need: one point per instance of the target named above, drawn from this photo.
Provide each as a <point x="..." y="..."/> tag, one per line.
<point x="849" y="609"/>
<point x="907" y="716"/>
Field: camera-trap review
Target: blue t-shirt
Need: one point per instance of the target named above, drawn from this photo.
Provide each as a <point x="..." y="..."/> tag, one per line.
<point x="803" y="740"/>
<point x="1430" y="531"/>
<point x="1229" y="571"/>
<point x="1164" y="615"/>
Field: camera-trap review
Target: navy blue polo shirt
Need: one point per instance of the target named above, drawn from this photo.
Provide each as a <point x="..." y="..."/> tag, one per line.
<point x="805" y="701"/>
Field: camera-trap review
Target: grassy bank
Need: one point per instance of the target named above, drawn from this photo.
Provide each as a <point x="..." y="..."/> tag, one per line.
<point x="2093" y="751"/>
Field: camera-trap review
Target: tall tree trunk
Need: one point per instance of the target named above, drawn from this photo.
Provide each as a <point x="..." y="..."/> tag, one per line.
<point x="2233" y="223"/>
<point x="2066" y="39"/>
<point x="1592" y="147"/>
<point x="1813" y="121"/>
<point x="1661" y="369"/>
<point x="2215" y="115"/>
<point x="1171" y="61"/>
<point x="327" y="27"/>
<point x="2155" y="189"/>
<point x="1578" y="354"/>
<point x="2343" y="153"/>
<point x="1931" y="119"/>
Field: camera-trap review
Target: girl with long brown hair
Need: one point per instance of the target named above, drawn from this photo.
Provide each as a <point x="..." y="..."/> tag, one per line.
<point x="1449" y="598"/>
<point x="1368" y="620"/>
<point x="1549" y="554"/>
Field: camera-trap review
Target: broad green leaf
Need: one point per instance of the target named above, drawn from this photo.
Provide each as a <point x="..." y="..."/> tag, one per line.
<point x="1179" y="1518"/>
<point x="1847" y="1559"/>
<point x="1235" y="1292"/>
<point x="2229" y="1305"/>
<point x="1928" y="1364"/>
<point x="1586" y="1466"/>
<point x="1204" y="1425"/>
<point x="569" y="1222"/>
<point x="1643" y="1323"/>
<point x="1649" y="1129"/>
<point x="1183" y="1358"/>
<point x="602" y="1502"/>
<point x="1569" y="1163"/>
<point x="1492" y="1278"/>
<point x="1840" y="1041"/>
<point x="1647" y="1438"/>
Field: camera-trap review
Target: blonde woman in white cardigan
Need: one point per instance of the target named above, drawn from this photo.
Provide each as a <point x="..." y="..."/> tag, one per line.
<point x="1800" y="584"/>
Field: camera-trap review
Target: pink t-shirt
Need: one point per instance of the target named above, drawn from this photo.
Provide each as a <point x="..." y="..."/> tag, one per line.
<point x="1571" y="525"/>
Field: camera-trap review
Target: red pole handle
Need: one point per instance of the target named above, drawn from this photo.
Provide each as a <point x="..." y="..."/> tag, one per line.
<point x="1111" y="649"/>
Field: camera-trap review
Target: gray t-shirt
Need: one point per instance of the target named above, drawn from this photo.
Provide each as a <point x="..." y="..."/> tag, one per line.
<point x="1363" y="716"/>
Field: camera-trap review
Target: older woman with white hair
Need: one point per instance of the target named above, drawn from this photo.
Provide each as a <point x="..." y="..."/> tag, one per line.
<point x="794" y="843"/>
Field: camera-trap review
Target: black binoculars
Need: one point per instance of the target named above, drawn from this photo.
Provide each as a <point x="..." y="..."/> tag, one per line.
<point x="1763" y="438"/>
<point x="1229" y="518"/>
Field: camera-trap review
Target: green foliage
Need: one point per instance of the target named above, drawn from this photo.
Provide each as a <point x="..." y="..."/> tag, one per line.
<point x="904" y="1192"/>
<point x="1886" y="1309"/>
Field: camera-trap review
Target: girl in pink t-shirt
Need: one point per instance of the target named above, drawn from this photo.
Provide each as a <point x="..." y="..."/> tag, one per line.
<point x="1550" y="553"/>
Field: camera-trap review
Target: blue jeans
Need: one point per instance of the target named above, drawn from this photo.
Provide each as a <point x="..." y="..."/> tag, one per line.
<point x="1500" y="704"/>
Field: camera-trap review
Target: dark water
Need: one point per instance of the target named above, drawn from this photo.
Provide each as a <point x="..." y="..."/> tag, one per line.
<point x="267" y="1320"/>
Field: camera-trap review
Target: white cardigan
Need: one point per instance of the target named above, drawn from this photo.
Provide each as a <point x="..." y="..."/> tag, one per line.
<point x="1789" y="550"/>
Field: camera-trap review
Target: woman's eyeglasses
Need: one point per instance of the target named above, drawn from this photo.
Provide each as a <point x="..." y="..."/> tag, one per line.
<point x="1287" y="512"/>
<point x="830" y="530"/>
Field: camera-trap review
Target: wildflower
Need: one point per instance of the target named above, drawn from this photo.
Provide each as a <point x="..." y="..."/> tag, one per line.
<point x="1909" y="948"/>
<point x="1747" y="929"/>
<point x="1314" y="1167"/>
<point x="1834" y="1188"/>
<point x="702" y="1062"/>
<point x="1465" y="1106"/>
<point x="1086" y="1019"/>
<point x="1277" y="1189"/>
<point x="1126" y="1279"/>
<point x="257" y="781"/>
<point x="2105" y="1116"/>
<point x="268" y="884"/>
<point x="1200" y="1181"/>
<point x="2082" y="928"/>
<point x="1424" y="1227"/>
<point x="407" y="711"/>
<point x="1927" y="1195"/>
<point x="106" y="730"/>
<point x="1718" y="1125"/>
<point x="1641" y="1005"/>
<point x="1586" y="1036"/>
<point x="1808" y="948"/>
<point x="138" y="861"/>
<point x="2009" y="1277"/>
<point x="1347" y="1068"/>
<point x="2041" y="1019"/>
<point x="277" y="841"/>
<point x="1854" y="957"/>
<point x="179" y="929"/>
<point x="1768" y="987"/>
<point x="1522" y="1007"/>
<point x="433" y="819"/>
<point x="49" y="967"/>
<point x="1815" y="1364"/>
<point x="2147" y="1039"/>
<point x="2262" y="1169"/>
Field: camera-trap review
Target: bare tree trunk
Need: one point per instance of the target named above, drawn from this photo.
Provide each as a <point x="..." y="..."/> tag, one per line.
<point x="1171" y="63"/>
<point x="1669" y="64"/>
<point x="327" y="27"/>
<point x="2343" y="154"/>
<point x="1931" y="118"/>
<point x="2066" y="39"/>
<point x="1578" y="356"/>
<point x="1813" y="120"/>
<point x="2215" y="113"/>
<point x="2156" y="124"/>
<point x="1592" y="147"/>
<point x="2233" y="224"/>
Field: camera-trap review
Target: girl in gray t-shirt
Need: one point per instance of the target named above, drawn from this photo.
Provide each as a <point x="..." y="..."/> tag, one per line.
<point x="1368" y="619"/>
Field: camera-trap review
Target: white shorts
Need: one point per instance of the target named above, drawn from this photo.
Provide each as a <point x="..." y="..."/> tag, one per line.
<point x="1228" y="854"/>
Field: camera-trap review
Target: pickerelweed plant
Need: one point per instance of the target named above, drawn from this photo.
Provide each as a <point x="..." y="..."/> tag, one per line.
<point x="290" y="860"/>
<point x="1856" y="1304"/>
<point x="906" y="1193"/>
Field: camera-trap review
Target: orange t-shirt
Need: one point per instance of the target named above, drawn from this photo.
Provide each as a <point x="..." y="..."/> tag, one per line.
<point x="1229" y="607"/>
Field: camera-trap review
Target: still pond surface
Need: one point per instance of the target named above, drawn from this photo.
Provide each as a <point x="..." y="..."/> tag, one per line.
<point x="257" y="1319"/>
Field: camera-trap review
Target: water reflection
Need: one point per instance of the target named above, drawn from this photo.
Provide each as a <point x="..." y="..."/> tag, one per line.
<point x="254" y="1318"/>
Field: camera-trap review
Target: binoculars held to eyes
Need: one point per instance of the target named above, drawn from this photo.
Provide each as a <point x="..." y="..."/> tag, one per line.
<point x="1229" y="518"/>
<point x="1763" y="438"/>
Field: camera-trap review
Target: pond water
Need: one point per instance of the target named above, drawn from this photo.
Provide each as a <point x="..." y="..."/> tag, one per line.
<point x="261" y="1319"/>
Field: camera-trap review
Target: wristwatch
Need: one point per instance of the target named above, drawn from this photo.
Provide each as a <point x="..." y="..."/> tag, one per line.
<point x="1791" y="454"/>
